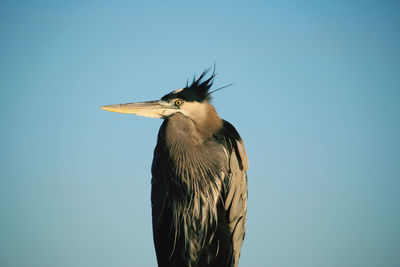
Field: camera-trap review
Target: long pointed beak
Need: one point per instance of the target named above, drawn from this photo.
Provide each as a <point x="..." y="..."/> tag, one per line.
<point x="151" y="109"/>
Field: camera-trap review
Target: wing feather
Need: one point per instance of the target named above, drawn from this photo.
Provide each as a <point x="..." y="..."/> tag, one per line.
<point x="235" y="203"/>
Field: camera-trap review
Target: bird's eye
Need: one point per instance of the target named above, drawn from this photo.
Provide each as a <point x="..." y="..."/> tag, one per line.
<point x="178" y="102"/>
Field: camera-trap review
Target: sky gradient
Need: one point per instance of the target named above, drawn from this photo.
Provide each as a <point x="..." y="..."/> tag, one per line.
<point x="315" y="97"/>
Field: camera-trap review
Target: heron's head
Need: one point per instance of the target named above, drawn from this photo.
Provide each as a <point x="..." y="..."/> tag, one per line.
<point x="192" y="101"/>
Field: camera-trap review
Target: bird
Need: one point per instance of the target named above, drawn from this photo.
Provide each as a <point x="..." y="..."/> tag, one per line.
<point x="199" y="178"/>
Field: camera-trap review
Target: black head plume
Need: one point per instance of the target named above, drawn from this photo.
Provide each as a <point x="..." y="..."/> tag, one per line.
<point x="196" y="91"/>
<point x="200" y="87"/>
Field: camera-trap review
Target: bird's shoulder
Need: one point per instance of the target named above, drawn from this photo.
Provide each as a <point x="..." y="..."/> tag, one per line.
<point x="230" y="138"/>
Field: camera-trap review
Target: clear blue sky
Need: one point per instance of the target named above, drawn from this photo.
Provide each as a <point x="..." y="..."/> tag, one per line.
<point x="316" y="97"/>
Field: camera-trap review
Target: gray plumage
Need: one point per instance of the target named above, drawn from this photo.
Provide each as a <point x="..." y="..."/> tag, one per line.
<point x="199" y="184"/>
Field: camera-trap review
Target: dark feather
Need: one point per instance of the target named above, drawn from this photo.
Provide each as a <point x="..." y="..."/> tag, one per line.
<point x="196" y="91"/>
<point x="199" y="195"/>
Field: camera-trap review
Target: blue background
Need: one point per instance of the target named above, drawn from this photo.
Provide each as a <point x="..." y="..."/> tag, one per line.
<point x="315" y="97"/>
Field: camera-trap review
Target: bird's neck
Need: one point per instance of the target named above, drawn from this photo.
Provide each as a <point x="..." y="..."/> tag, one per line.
<point x="205" y="118"/>
<point x="210" y="123"/>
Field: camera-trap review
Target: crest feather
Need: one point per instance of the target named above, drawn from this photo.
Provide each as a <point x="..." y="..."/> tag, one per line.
<point x="196" y="91"/>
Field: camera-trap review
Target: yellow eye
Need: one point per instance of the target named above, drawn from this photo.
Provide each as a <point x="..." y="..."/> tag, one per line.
<point x="178" y="102"/>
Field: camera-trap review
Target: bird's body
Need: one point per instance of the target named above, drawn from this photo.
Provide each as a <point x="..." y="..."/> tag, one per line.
<point x="199" y="184"/>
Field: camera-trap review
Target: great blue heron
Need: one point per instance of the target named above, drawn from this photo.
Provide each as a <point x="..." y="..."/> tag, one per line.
<point x="199" y="184"/>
